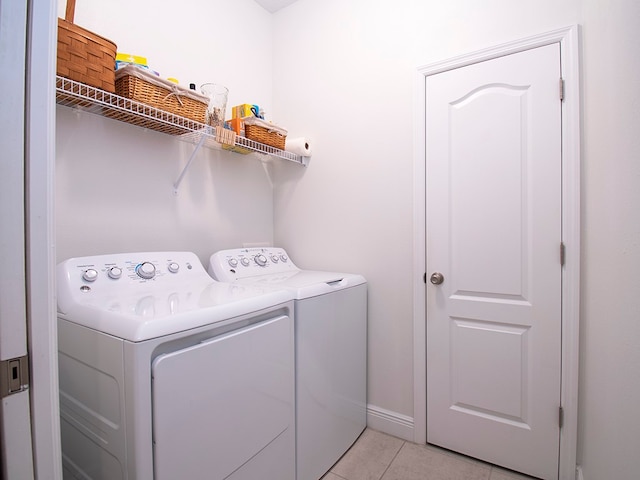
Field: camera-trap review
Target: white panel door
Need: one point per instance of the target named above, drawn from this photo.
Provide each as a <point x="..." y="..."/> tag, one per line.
<point x="493" y="169"/>
<point x="16" y="452"/>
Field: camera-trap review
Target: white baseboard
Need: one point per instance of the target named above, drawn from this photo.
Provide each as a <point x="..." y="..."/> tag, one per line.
<point x="391" y="423"/>
<point x="579" y="473"/>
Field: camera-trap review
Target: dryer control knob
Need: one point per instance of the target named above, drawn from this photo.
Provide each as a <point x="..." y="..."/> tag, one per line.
<point x="233" y="263"/>
<point x="173" y="267"/>
<point x="115" y="273"/>
<point x="244" y="261"/>
<point x="90" y="275"/>
<point x="283" y="257"/>
<point x="260" y="260"/>
<point x="274" y="258"/>
<point x="146" y="270"/>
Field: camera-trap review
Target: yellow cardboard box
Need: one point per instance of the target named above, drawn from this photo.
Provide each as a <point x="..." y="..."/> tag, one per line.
<point x="244" y="110"/>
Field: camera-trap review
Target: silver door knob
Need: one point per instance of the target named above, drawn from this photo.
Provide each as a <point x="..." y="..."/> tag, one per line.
<point x="436" y="278"/>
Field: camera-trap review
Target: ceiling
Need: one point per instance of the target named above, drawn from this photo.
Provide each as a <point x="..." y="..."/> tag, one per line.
<point x="274" y="5"/>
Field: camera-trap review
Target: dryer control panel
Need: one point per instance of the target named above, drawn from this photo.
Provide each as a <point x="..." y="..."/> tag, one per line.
<point x="237" y="263"/>
<point x="119" y="271"/>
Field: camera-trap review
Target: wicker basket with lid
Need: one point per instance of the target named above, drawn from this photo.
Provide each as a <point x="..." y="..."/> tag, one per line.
<point x="265" y="132"/>
<point x="142" y="86"/>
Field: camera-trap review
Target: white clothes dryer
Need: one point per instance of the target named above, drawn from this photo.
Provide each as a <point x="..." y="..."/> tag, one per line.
<point x="331" y="349"/>
<point x="167" y="374"/>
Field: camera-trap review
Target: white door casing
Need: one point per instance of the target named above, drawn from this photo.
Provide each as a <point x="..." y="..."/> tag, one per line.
<point x="494" y="232"/>
<point x="566" y="41"/>
<point x="41" y="255"/>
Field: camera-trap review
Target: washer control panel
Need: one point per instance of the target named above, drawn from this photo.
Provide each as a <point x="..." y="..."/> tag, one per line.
<point x="230" y="265"/>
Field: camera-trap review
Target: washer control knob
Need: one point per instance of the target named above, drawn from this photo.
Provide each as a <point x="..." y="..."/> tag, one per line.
<point x="274" y="258"/>
<point x="146" y="270"/>
<point x="260" y="259"/>
<point x="115" y="273"/>
<point x="173" y="267"/>
<point x="233" y="263"/>
<point x="283" y="257"/>
<point x="90" y="275"/>
<point x="244" y="261"/>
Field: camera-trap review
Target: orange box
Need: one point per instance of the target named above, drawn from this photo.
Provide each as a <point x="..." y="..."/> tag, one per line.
<point x="237" y="125"/>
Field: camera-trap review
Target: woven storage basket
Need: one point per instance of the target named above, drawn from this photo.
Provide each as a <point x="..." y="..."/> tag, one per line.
<point x="264" y="132"/>
<point x="142" y="86"/>
<point x="84" y="56"/>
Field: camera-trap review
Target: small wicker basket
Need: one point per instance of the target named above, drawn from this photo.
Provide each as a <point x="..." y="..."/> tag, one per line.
<point x="142" y="86"/>
<point x="84" y="56"/>
<point x="264" y="132"/>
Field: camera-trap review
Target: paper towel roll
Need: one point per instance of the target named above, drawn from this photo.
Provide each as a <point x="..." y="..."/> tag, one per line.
<point x="299" y="146"/>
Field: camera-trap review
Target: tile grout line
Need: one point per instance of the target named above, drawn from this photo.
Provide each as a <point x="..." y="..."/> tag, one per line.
<point x="392" y="460"/>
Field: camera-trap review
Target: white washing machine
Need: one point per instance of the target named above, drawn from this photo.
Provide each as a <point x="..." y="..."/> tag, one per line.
<point x="331" y="349"/>
<point x="167" y="374"/>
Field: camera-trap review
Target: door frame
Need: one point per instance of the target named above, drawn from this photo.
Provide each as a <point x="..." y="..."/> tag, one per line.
<point x="40" y="154"/>
<point x="568" y="38"/>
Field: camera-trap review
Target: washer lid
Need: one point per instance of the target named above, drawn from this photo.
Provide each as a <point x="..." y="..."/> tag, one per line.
<point x="306" y="283"/>
<point x="178" y="297"/>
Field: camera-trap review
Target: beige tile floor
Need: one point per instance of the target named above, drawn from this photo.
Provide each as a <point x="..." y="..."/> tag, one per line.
<point x="378" y="456"/>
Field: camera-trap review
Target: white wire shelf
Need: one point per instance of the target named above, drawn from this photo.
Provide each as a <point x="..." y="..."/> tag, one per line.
<point x="93" y="100"/>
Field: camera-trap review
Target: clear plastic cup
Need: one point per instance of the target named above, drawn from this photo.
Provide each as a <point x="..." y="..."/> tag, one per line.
<point x="217" y="107"/>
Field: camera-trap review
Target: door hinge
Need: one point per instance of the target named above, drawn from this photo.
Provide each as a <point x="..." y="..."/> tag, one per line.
<point x="560" y="416"/>
<point x="14" y="376"/>
<point x="562" y="89"/>
<point x="562" y="254"/>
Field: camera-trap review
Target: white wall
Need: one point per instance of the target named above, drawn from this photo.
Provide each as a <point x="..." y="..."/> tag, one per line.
<point x="342" y="72"/>
<point x="610" y="343"/>
<point x="352" y="91"/>
<point x="114" y="181"/>
<point x="343" y="75"/>
<point x="195" y="41"/>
